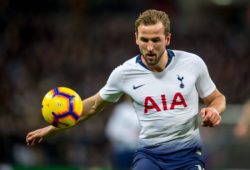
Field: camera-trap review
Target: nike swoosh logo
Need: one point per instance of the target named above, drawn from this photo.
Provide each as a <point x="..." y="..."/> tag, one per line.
<point x="136" y="87"/>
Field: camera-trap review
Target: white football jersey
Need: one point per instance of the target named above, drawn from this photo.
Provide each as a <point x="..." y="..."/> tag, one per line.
<point x="166" y="102"/>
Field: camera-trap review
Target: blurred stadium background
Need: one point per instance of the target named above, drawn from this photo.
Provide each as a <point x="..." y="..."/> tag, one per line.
<point x="76" y="43"/>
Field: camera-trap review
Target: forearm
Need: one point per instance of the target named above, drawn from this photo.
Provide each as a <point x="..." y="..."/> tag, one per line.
<point x="92" y="106"/>
<point x="89" y="109"/>
<point x="218" y="103"/>
<point x="52" y="130"/>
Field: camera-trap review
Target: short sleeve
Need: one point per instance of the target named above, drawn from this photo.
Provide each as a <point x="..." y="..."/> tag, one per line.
<point x="112" y="91"/>
<point x="204" y="84"/>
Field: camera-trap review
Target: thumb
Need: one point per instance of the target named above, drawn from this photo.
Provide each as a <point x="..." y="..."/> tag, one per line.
<point x="203" y="112"/>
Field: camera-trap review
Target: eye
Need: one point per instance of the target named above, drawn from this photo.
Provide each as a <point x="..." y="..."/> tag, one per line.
<point x="144" y="39"/>
<point x="155" y="40"/>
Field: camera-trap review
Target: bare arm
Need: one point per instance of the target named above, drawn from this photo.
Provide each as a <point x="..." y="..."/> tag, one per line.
<point x="91" y="106"/>
<point x="215" y="105"/>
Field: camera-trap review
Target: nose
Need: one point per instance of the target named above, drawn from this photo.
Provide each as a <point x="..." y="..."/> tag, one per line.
<point x="150" y="47"/>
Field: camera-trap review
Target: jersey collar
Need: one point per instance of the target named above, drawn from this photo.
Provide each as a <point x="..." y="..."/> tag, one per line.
<point x="170" y="56"/>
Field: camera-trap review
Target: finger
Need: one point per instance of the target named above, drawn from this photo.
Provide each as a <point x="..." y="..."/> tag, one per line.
<point x="34" y="142"/>
<point x="216" y="115"/>
<point x="213" y="124"/>
<point x="29" y="142"/>
<point x="213" y="118"/>
<point x="40" y="140"/>
<point x="204" y="124"/>
<point x="28" y="137"/>
<point x="207" y="116"/>
<point x="32" y="133"/>
<point x="217" y="122"/>
<point x="32" y="139"/>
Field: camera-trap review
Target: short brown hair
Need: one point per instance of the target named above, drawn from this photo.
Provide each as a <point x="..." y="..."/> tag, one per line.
<point x="151" y="17"/>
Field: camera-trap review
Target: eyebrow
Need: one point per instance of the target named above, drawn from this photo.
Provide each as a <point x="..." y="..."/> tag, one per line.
<point x="144" y="39"/>
<point x="152" y="39"/>
<point x="155" y="39"/>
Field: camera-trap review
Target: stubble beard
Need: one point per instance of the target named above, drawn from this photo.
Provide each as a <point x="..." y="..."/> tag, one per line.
<point x="155" y="60"/>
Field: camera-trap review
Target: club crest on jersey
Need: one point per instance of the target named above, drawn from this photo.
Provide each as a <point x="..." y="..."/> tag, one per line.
<point x="180" y="78"/>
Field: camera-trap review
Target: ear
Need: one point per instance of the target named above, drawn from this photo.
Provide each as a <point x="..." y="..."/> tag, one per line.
<point x="136" y="38"/>
<point x="167" y="39"/>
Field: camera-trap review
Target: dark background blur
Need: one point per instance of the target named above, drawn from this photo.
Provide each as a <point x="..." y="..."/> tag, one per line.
<point x="77" y="43"/>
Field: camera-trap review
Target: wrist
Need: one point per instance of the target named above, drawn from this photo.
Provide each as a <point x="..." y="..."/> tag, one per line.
<point x="215" y="109"/>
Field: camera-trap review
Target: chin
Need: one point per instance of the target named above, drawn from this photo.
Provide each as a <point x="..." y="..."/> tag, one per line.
<point x="151" y="63"/>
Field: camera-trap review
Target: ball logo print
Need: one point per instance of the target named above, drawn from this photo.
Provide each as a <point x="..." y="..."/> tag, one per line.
<point x="61" y="107"/>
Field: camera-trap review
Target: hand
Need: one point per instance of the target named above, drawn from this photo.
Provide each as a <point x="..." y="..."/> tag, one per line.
<point x="37" y="136"/>
<point x="210" y="117"/>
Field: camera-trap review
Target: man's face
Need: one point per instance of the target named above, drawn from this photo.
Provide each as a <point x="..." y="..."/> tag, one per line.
<point x="152" y="42"/>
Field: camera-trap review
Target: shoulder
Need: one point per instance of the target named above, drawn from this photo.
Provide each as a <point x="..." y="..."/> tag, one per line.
<point x="130" y="64"/>
<point x="128" y="67"/>
<point x="125" y="68"/>
<point x="184" y="58"/>
<point x="184" y="55"/>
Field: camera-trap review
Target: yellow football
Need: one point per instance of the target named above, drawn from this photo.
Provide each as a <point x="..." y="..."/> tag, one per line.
<point x="61" y="107"/>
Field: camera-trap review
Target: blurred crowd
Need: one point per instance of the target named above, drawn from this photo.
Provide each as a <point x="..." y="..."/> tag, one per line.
<point x="46" y="44"/>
